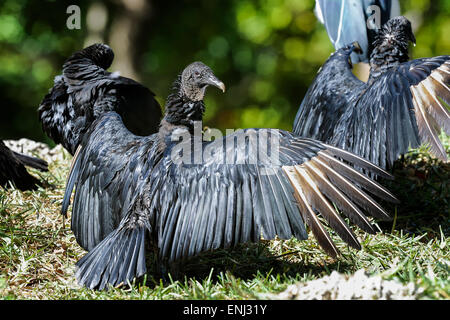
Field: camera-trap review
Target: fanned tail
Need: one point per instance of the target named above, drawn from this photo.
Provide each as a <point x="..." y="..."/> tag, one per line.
<point x="118" y="259"/>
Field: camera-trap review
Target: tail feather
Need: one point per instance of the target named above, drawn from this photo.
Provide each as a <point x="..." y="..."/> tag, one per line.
<point x="32" y="161"/>
<point x="118" y="259"/>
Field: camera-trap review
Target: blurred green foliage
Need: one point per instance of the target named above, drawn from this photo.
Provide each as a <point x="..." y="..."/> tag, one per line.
<point x="266" y="51"/>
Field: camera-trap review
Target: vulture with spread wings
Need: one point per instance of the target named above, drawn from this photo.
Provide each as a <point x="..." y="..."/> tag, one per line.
<point x="85" y="91"/>
<point x="186" y="195"/>
<point x="401" y="106"/>
<point x="12" y="169"/>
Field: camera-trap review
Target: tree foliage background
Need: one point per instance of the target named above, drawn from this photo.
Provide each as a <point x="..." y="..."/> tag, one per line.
<point x="266" y="51"/>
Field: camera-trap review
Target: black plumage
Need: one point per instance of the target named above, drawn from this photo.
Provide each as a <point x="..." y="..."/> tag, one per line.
<point x="12" y="169"/>
<point x="400" y="106"/>
<point x="188" y="196"/>
<point x="85" y="90"/>
<point x="350" y="21"/>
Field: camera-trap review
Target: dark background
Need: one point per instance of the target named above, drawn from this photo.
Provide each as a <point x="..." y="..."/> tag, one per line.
<point x="266" y="51"/>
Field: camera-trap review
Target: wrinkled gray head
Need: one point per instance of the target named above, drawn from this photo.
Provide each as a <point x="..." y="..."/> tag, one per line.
<point x="398" y="29"/>
<point x="195" y="78"/>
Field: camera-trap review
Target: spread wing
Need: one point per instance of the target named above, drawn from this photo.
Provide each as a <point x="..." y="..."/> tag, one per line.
<point x="403" y="108"/>
<point x="327" y="97"/>
<point x="239" y="193"/>
<point x="232" y="195"/>
<point x="107" y="170"/>
<point x="347" y="21"/>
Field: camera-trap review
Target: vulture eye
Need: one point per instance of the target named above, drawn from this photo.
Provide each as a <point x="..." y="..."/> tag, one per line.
<point x="197" y="74"/>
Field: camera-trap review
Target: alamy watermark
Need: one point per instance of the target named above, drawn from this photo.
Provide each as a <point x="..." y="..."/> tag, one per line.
<point x="374" y="20"/>
<point x="74" y="20"/>
<point x="247" y="147"/>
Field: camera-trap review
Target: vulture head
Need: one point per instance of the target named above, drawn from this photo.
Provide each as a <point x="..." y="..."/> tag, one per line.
<point x="195" y="78"/>
<point x="399" y="30"/>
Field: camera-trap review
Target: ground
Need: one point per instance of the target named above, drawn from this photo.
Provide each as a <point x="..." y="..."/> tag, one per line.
<point x="38" y="250"/>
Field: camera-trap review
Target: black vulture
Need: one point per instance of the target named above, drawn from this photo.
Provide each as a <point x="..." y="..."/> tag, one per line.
<point x="12" y="169"/>
<point x="85" y="90"/>
<point x="350" y="21"/>
<point x="400" y="106"/>
<point x="188" y="196"/>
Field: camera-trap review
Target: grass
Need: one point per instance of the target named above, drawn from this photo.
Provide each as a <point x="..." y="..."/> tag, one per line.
<point x="38" y="251"/>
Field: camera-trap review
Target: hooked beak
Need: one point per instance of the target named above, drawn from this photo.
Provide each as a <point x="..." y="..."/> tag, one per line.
<point x="413" y="39"/>
<point x="213" y="81"/>
<point x="357" y="47"/>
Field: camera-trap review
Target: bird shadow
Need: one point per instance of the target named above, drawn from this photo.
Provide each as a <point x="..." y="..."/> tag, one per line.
<point x="244" y="262"/>
<point x="422" y="184"/>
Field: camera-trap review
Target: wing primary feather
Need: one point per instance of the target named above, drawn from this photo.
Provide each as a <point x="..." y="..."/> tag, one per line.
<point x="338" y="177"/>
<point x="322" y="236"/>
<point x="202" y="223"/>
<point x="426" y="128"/>
<point x="358" y="161"/>
<point x="436" y="109"/>
<point x="117" y="259"/>
<point x="357" y="177"/>
<point x="321" y="204"/>
<point x="441" y="87"/>
<point x="318" y="170"/>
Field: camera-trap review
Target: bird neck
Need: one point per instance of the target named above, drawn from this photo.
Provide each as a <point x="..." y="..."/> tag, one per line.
<point x="180" y="111"/>
<point x="339" y="63"/>
<point x="387" y="54"/>
<point x="184" y="112"/>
